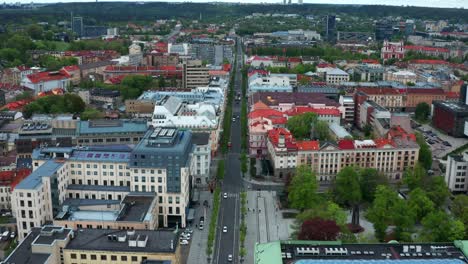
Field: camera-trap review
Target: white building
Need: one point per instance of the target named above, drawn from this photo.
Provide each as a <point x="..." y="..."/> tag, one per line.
<point x="401" y="76"/>
<point x="260" y="62"/>
<point x="199" y="117"/>
<point x="47" y="81"/>
<point x="456" y="173"/>
<point x="348" y="103"/>
<point x="333" y="75"/>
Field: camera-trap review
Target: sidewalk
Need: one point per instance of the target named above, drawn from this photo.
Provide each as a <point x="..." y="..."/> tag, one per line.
<point x="197" y="254"/>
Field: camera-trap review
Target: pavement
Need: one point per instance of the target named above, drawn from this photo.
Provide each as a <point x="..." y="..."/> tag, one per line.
<point x="199" y="239"/>
<point x="264" y="221"/>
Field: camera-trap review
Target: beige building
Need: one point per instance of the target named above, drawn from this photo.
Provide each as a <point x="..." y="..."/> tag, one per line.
<point x="59" y="245"/>
<point x="160" y="164"/>
<point x="391" y="156"/>
<point x="195" y="74"/>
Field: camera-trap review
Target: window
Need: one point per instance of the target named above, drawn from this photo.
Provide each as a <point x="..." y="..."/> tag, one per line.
<point x="170" y="199"/>
<point x="83" y="256"/>
<point x="114" y="258"/>
<point x="103" y="257"/>
<point x="160" y="189"/>
<point x="159" y="179"/>
<point x="123" y="258"/>
<point x="177" y="200"/>
<point x="93" y="257"/>
<point x="134" y="258"/>
<point x="73" y="256"/>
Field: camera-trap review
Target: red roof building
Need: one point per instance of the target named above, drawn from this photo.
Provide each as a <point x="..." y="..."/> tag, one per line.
<point x="430" y="51"/>
<point x="12" y="178"/>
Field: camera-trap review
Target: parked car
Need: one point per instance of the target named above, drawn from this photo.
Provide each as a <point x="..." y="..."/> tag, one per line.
<point x="184" y="242"/>
<point x="200" y="226"/>
<point x="12" y="235"/>
<point x="224" y="229"/>
<point x="225" y="195"/>
<point x="230" y="258"/>
<point x="446" y="143"/>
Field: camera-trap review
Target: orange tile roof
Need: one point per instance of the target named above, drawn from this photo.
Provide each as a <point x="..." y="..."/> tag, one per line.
<point x="260" y="105"/>
<point x="380" y="91"/>
<point x="381" y="142"/>
<point x="48" y="76"/>
<point x="308" y="145"/>
<point x="265" y="113"/>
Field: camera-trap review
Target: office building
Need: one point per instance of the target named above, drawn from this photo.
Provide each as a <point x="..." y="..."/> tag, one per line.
<point x="84" y="177"/>
<point x="348" y="103"/>
<point x="330" y="28"/>
<point x="77" y="26"/>
<point x="383" y="30"/>
<point x="195" y="74"/>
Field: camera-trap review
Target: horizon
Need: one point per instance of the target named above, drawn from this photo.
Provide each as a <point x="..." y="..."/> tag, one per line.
<point x="419" y="3"/>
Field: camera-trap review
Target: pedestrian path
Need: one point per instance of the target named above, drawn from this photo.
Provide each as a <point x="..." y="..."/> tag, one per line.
<point x="199" y="241"/>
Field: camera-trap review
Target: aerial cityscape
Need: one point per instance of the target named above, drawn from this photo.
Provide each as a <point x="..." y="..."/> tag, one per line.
<point x="257" y="132"/>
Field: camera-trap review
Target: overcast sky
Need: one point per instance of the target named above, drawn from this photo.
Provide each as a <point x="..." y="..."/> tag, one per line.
<point x="429" y="3"/>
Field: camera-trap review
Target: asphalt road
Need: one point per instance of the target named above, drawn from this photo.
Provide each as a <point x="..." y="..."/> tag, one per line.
<point x="229" y="214"/>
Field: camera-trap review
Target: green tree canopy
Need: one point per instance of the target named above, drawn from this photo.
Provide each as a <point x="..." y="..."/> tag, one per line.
<point x="460" y="210"/>
<point x="439" y="227"/>
<point x="55" y="104"/>
<point x="420" y="204"/>
<point x="369" y="179"/>
<point x="325" y="210"/>
<point x="321" y="130"/>
<point x="91" y="113"/>
<point x="35" y="31"/>
<point x="425" y="153"/>
<point x="422" y="112"/>
<point x="382" y="213"/>
<point x="303" y="189"/>
<point x="300" y="125"/>
<point x="437" y="191"/>
<point x="416" y="177"/>
<point x="347" y="190"/>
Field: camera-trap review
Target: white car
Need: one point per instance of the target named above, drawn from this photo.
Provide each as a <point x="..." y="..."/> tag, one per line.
<point x="225" y="229"/>
<point x="184" y="242"/>
<point x="224" y="195"/>
<point x="230" y="258"/>
<point x="233" y="119"/>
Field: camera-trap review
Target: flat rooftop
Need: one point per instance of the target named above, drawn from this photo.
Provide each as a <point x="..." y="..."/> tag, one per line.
<point x="95" y="127"/>
<point x="312" y="252"/>
<point x="97" y="240"/>
<point x="45" y="236"/>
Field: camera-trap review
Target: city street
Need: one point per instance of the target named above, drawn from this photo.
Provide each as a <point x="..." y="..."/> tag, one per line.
<point x="229" y="214"/>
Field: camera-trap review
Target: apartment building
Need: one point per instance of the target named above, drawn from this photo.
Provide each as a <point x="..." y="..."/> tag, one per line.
<point x="391" y="155"/>
<point x="268" y="83"/>
<point x="370" y="111"/>
<point x="160" y="164"/>
<point x="336" y="76"/>
<point x="456" y="174"/>
<point x="195" y="74"/>
<point x="59" y="245"/>
<point x="401" y="76"/>
<point x="392" y="50"/>
<point x="8" y="180"/>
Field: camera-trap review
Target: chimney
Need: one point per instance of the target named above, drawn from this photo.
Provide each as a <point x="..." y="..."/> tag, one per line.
<point x="281" y="141"/>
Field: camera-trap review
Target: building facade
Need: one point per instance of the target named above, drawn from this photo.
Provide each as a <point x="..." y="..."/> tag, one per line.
<point x="456" y="173"/>
<point x="195" y="74"/>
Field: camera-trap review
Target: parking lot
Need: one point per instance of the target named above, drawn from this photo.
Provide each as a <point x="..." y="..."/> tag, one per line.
<point x="440" y="143"/>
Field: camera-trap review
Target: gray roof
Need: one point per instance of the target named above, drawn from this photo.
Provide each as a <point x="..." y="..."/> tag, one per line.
<point x="173" y="104"/>
<point x="23" y="253"/>
<point x="47" y="169"/>
<point x="88" y="202"/>
<point x="111" y="126"/>
<point x="97" y="240"/>
<point x="200" y="138"/>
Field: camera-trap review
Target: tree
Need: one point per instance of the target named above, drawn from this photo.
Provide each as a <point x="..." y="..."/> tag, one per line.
<point x="35" y="31"/>
<point x="437" y="191"/>
<point x="300" y="125"/>
<point x="161" y="82"/>
<point x="416" y="177"/>
<point x="321" y="131"/>
<point x="422" y="112"/>
<point x="347" y="191"/>
<point x="369" y="179"/>
<point x="367" y="129"/>
<point x="420" y="204"/>
<point x="425" y="153"/>
<point x="439" y="227"/>
<point x="381" y="211"/>
<point x="302" y="190"/>
<point x="325" y="210"/>
<point x="91" y="113"/>
<point x="319" y="229"/>
<point x="460" y="210"/>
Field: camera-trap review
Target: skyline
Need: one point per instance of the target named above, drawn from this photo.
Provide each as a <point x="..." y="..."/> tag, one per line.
<point x="421" y="3"/>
